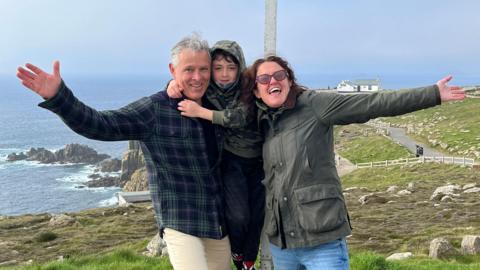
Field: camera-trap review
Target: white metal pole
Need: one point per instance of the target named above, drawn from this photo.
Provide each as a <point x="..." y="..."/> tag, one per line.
<point x="270" y="27"/>
<point x="270" y="48"/>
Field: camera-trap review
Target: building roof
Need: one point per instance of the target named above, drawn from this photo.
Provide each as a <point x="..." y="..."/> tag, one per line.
<point x="367" y="82"/>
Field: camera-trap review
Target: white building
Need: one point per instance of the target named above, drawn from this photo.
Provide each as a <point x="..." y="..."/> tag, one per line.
<point x="359" y="86"/>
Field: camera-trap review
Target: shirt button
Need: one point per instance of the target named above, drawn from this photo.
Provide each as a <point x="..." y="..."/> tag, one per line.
<point x="285" y="199"/>
<point x="281" y="164"/>
<point x="292" y="234"/>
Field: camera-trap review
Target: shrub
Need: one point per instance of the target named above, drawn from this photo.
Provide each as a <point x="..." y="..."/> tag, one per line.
<point x="45" y="236"/>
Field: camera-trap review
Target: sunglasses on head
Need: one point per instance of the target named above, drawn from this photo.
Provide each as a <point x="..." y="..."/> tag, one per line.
<point x="278" y="76"/>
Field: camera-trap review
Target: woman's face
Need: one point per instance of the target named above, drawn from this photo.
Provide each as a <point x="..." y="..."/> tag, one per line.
<point x="273" y="93"/>
<point x="224" y="72"/>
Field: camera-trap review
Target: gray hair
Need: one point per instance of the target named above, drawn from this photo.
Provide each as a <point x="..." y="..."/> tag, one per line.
<point x="193" y="42"/>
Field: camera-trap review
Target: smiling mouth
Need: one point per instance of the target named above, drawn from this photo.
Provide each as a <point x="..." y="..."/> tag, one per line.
<point x="196" y="86"/>
<point x="274" y="90"/>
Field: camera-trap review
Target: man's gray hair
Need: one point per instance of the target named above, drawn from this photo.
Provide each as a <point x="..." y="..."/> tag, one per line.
<point x="193" y="42"/>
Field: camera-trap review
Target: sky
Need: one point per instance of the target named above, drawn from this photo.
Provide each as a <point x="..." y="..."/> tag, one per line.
<point x="366" y="38"/>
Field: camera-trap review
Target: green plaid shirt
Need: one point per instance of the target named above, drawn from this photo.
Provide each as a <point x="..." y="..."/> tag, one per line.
<point x="185" y="189"/>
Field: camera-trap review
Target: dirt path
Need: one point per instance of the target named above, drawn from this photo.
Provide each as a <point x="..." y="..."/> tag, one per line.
<point x="345" y="166"/>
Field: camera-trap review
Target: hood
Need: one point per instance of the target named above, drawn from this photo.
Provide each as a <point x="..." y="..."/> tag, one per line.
<point x="234" y="49"/>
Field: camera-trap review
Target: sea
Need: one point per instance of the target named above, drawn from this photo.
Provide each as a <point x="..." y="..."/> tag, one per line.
<point x="28" y="187"/>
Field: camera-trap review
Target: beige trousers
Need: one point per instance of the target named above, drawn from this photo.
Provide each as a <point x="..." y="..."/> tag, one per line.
<point x="187" y="252"/>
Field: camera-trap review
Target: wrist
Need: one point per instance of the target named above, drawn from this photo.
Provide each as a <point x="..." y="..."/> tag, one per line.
<point x="207" y="114"/>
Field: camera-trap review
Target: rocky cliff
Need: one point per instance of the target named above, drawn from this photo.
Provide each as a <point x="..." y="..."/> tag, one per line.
<point x="134" y="172"/>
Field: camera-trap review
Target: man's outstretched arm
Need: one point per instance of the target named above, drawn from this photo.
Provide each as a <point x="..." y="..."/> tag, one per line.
<point x="132" y="122"/>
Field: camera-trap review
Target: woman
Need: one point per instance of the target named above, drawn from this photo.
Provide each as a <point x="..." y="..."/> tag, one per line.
<point x="306" y="218"/>
<point x="242" y="170"/>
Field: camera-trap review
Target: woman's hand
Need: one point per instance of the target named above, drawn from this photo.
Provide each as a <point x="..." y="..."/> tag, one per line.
<point x="448" y="93"/>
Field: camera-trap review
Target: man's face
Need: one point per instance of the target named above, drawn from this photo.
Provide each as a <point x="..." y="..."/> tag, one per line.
<point x="192" y="73"/>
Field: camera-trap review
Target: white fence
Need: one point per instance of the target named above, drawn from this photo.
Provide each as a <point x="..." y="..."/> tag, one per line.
<point x="403" y="161"/>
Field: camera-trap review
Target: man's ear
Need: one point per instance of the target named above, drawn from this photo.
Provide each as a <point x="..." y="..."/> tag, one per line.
<point x="172" y="70"/>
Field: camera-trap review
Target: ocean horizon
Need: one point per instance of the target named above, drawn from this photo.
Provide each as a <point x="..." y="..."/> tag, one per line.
<point x="32" y="188"/>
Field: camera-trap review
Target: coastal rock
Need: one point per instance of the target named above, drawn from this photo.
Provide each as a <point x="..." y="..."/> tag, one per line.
<point x="77" y="153"/>
<point x="444" y="191"/>
<point x="157" y="247"/>
<point x="106" y="181"/>
<point x="41" y="154"/>
<point x="138" y="181"/>
<point x="469" y="186"/>
<point x="371" y="198"/>
<point x="399" y="256"/>
<point x="441" y="248"/>
<point x="446" y="199"/>
<point x="61" y="220"/>
<point x="7" y="263"/>
<point x="111" y="165"/>
<point x="471" y="245"/>
<point x="411" y="187"/>
<point x="16" y="157"/>
<point x="72" y="153"/>
<point x="404" y="192"/>
<point x="392" y="189"/>
<point x="472" y="190"/>
<point x="132" y="161"/>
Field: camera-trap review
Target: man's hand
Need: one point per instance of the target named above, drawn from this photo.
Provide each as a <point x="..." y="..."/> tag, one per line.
<point x="44" y="84"/>
<point x="190" y="108"/>
<point x="173" y="90"/>
<point x="448" y="93"/>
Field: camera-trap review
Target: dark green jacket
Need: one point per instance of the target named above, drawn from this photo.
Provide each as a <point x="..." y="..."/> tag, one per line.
<point x="305" y="205"/>
<point x="241" y="135"/>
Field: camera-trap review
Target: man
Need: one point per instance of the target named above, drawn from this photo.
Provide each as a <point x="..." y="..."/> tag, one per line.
<point x="181" y="154"/>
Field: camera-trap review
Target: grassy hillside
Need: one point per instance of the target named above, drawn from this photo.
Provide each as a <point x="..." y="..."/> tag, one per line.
<point x="410" y="222"/>
<point x="95" y="231"/>
<point x="451" y="128"/>
<point x="114" y="238"/>
<point x="361" y="143"/>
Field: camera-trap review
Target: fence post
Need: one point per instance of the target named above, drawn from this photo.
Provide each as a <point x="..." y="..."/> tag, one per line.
<point x="386" y="163"/>
<point x="371" y="164"/>
<point x="463" y="160"/>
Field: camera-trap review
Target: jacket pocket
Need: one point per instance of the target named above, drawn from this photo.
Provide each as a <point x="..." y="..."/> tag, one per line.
<point x="320" y="208"/>
<point x="270" y="225"/>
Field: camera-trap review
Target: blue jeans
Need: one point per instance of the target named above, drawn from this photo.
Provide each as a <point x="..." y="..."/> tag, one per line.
<point x="329" y="256"/>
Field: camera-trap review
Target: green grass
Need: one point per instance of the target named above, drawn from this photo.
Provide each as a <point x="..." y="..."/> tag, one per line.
<point x="126" y="259"/>
<point x="45" y="236"/>
<point x="96" y="231"/>
<point x="373" y="261"/>
<point x="360" y="143"/>
<point x="410" y="222"/>
<point x="428" y="173"/>
<point x="454" y="124"/>
<point x="123" y="259"/>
